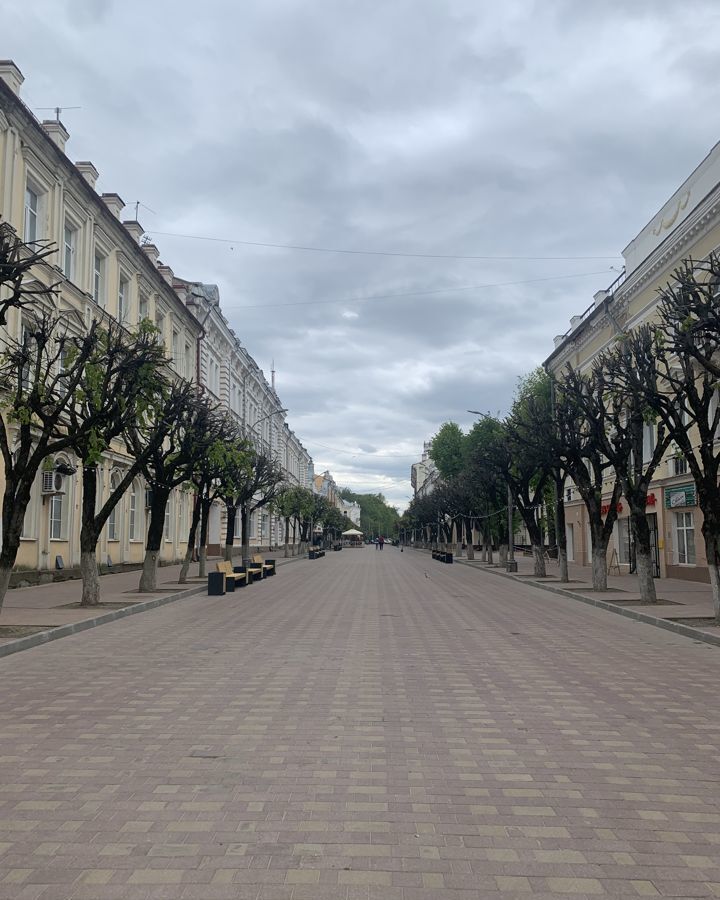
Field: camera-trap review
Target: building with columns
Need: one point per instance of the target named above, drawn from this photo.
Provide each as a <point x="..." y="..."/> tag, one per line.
<point x="105" y="268"/>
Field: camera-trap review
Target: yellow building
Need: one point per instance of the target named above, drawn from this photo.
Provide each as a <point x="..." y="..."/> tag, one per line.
<point x="688" y="225"/>
<point x="102" y="271"/>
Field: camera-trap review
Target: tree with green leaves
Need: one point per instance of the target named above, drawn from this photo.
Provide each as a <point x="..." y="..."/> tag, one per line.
<point x="39" y="377"/>
<point x="124" y="384"/>
<point x="446" y="450"/>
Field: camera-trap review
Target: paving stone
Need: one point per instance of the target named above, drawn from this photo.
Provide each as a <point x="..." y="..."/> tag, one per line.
<point x="357" y="730"/>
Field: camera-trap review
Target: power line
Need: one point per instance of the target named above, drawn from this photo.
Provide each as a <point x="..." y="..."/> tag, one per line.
<point x="445" y="290"/>
<point x="307" y="249"/>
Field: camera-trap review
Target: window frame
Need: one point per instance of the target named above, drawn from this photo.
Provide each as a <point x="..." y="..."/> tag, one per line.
<point x="684" y="526"/>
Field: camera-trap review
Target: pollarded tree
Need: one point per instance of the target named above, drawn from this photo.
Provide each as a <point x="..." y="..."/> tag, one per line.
<point x="39" y="377"/>
<point x="194" y="427"/>
<point x="19" y="262"/>
<point x="123" y="385"/>
<point x="624" y="377"/>
<point x="581" y="415"/>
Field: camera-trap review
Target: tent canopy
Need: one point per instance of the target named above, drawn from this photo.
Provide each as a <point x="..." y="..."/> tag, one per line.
<point x="351" y="531"/>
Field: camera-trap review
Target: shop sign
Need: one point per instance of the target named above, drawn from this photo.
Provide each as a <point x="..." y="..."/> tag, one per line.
<point x="683" y="495"/>
<point x="651" y="500"/>
<point x="605" y="508"/>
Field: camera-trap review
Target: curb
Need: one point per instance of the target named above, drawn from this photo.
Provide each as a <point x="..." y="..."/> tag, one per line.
<point x="54" y="634"/>
<point x="675" y="627"/>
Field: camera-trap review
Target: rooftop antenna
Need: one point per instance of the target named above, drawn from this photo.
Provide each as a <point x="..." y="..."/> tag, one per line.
<point x="138" y="204"/>
<point x="56" y="109"/>
<point x="272" y="375"/>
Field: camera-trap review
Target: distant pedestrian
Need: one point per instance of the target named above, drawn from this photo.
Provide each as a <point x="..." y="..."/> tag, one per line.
<point x="381" y="541"/>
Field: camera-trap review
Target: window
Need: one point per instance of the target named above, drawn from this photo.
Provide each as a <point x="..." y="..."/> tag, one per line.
<point x="69" y="250"/>
<point x="122" y="300"/>
<point x="142" y="308"/>
<point x="56" y="517"/>
<point x="176" y="351"/>
<point x="187" y="362"/>
<point x="113" y="530"/>
<point x="132" y="513"/>
<point x="680" y="465"/>
<point x="99" y="279"/>
<point x="238" y="522"/>
<point x="30" y="230"/>
<point x="685" y="538"/>
<point x="167" y="531"/>
<point x="623" y="534"/>
<point x="649" y="441"/>
<point x="160" y="325"/>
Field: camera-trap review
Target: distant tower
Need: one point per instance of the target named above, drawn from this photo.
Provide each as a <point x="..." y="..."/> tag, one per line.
<point x="272" y="375"/>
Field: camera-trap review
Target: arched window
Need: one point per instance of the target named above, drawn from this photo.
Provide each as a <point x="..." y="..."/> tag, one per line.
<point x="113" y="520"/>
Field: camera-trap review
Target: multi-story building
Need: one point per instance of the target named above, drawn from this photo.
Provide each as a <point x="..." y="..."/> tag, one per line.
<point x="325" y="486"/>
<point x="104" y="268"/>
<point x="351" y="510"/>
<point x="687" y="226"/>
<point x="423" y="474"/>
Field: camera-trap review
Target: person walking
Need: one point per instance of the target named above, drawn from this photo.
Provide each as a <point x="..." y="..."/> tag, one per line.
<point x="381" y="541"/>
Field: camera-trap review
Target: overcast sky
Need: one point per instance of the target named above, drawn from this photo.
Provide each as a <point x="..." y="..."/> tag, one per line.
<point x="423" y="130"/>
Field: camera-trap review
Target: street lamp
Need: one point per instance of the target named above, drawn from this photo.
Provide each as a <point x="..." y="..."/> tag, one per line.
<point x="511" y="564"/>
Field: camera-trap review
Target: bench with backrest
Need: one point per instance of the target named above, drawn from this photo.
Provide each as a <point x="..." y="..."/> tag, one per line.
<point x="232" y="579"/>
<point x="255" y="571"/>
<point x="268" y="565"/>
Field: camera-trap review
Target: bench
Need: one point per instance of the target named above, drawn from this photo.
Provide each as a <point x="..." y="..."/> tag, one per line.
<point x="231" y="578"/>
<point x="254" y="571"/>
<point x="268" y="565"/>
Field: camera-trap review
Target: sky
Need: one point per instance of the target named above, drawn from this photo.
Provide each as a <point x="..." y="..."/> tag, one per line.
<point x="480" y="165"/>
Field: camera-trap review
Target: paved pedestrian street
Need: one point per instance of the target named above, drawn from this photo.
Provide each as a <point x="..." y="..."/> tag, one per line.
<point x="367" y="725"/>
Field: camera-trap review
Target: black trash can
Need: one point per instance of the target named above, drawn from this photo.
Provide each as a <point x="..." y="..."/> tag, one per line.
<point x="216" y="584"/>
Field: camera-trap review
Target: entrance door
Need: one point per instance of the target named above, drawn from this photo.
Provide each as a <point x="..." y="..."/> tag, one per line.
<point x="570" y="541"/>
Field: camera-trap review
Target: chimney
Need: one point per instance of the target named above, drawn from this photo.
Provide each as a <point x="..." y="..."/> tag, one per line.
<point x="558" y="339"/>
<point x="135" y="229"/>
<point x="88" y="172"/>
<point x="56" y="131"/>
<point x="166" y="272"/>
<point x="575" y="321"/>
<point x="599" y="297"/>
<point x="152" y="253"/>
<point x="114" y="203"/>
<point x="11" y="75"/>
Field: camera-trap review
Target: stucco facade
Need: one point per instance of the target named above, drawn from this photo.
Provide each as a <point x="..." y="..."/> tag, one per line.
<point x="688" y="225"/>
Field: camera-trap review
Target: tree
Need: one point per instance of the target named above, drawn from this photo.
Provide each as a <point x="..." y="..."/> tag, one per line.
<point x="376" y="515"/>
<point x="581" y="415"/>
<point x="119" y="393"/>
<point x="193" y="427"/>
<point x="19" y="261"/>
<point x="446" y="450"/>
<point x="39" y="377"/>
<point x="624" y="377"/>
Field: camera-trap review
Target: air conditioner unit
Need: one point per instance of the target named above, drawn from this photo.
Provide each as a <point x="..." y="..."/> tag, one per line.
<point x="148" y="498"/>
<point x="53" y="483"/>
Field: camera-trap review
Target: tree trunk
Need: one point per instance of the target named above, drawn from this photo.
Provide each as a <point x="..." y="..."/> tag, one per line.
<point x="599" y="568"/>
<point x="15" y="504"/>
<point x="539" y="561"/>
<point x="88" y="539"/>
<point x="90" y="578"/>
<point x="191" y="540"/>
<point x="148" y="579"/>
<point x="711" y="552"/>
<point x="202" y="550"/>
<point x="287" y="535"/>
<point x="643" y="558"/>
<point x="503" y="555"/>
<point x="229" y="530"/>
<point x="245" y="520"/>
<point x="561" y="536"/>
<point x="469" y="539"/>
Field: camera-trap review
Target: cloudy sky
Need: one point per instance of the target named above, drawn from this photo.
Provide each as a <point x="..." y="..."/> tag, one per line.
<point x="495" y="158"/>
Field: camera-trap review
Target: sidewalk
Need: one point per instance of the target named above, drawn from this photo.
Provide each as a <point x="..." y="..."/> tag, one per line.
<point x="30" y="610"/>
<point x="688" y="602"/>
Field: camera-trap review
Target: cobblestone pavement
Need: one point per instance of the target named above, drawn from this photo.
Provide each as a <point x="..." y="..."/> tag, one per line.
<point x="367" y="725"/>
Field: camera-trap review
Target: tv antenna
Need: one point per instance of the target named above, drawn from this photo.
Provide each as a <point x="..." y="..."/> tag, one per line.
<point x="138" y="204"/>
<point x="56" y="109"/>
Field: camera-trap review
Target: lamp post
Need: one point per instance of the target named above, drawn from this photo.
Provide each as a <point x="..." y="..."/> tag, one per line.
<point x="253" y="428"/>
<point x="511" y="564"/>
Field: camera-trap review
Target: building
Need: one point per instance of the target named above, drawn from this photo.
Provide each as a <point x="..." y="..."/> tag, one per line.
<point x="688" y="225"/>
<point x="351" y="510"/>
<point x="325" y="486"/>
<point x="105" y="268"/>
<point x="423" y="474"/>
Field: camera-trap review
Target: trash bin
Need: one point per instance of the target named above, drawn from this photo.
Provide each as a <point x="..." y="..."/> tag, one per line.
<point x="216" y="584"/>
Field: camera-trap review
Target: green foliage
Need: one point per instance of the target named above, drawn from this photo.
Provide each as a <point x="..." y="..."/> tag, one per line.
<point x="446" y="450"/>
<point x="376" y="515"/>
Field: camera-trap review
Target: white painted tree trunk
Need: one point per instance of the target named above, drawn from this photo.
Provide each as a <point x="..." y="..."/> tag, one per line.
<point x="90" y="578"/>
<point x="715" y="586"/>
<point x="539" y="561"/>
<point x="148" y="579"/>
<point x="503" y="555"/>
<point x="599" y="568"/>
<point x="646" y="582"/>
<point x="5" y="572"/>
<point x="202" y="561"/>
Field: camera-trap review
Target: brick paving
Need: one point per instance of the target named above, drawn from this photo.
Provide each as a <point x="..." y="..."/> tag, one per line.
<point x="369" y="725"/>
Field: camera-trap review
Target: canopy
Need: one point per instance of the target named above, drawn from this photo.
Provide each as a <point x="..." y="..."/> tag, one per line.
<point x="351" y="531"/>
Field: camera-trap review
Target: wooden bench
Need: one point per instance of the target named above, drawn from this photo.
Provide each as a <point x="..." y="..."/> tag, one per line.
<point x="268" y="565"/>
<point x="255" y="572"/>
<point x="232" y="579"/>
